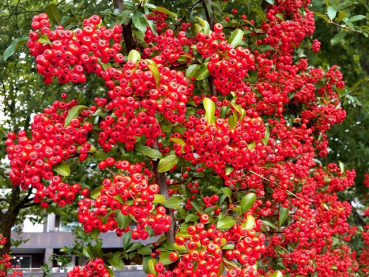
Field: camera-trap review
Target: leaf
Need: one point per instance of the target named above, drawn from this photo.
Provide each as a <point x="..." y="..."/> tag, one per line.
<point x="226" y="222"/>
<point x="164" y="258"/>
<point x="229" y="170"/>
<point x="177" y="140"/>
<point x="73" y="113"/>
<point x="145" y="264"/>
<point x="96" y="192"/>
<point x="101" y="155"/>
<point x="54" y="15"/>
<point x="110" y="271"/>
<point x="133" y="246"/>
<point x="87" y="252"/>
<point x="331" y="12"/>
<point x="204" y="24"/>
<point x="134" y="56"/>
<point x="95" y="233"/>
<point x="228" y="192"/>
<point x="337" y="38"/>
<point x="228" y="247"/>
<point x="323" y="16"/>
<point x="342" y="166"/>
<point x="232" y="121"/>
<point x="164" y="10"/>
<point x="249" y="223"/>
<point x="148" y="151"/>
<point x="265" y="139"/>
<point x="152" y="264"/>
<point x="14" y="45"/>
<point x="247" y="202"/>
<point x="123" y="221"/>
<point x="277" y="273"/>
<point x="209" y="106"/>
<point x="62" y="169"/>
<point x="158" y="198"/>
<point x="155" y="71"/>
<point x="271" y="2"/>
<point x="357" y="18"/>
<point x="203" y="72"/>
<point x="191" y="70"/>
<point x="269" y="224"/>
<point x="173" y="203"/>
<point x="127" y="238"/>
<point x="144" y="251"/>
<point x="116" y="261"/>
<point x="191" y="217"/>
<point x="251" y="145"/>
<point x="259" y="13"/>
<point x="196" y="206"/>
<point x="139" y="21"/>
<point x="167" y="163"/>
<point x="283" y="214"/>
<point x="236" y="37"/>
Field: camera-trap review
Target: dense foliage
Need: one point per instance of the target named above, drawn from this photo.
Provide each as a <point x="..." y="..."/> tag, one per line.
<point x="210" y="135"/>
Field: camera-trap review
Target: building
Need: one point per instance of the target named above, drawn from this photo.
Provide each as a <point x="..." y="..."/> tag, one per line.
<point x="41" y="241"/>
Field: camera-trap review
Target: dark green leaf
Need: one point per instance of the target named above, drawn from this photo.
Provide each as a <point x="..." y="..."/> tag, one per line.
<point x="87" y="252"/>
<point x="164" y="258"/>
<point x="202" y="73"/>
<point x="18" y="42"/>
<point x="195" y="206"/>
<point x="148" y="151"/>
<point x="139" y="21"/>
<point x="283" y="214"/>
<point x="127" y="238"/>
<point x="191" y="217"/>
<point x="116" y="261"/>
<point x="173" y="203"/>
<point x="73" y="113"/>
<point x="236" y="38"/>
<point x="228" y="192"/>
<point x="144" y="251"/>
<point x="247" y="202"/>
<point x="356" y="18"/>
<point x="96" y="192"/>
<point x="164" y="10"/>
<point x="191" y="70"/>
<point x="123" y="221"/>
<point x="337" y="38"/>
<point x="226" y="222"/>
<point x="54" y="15"/>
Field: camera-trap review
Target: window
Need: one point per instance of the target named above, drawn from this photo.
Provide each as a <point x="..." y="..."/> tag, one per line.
<point x="22" y="261"/>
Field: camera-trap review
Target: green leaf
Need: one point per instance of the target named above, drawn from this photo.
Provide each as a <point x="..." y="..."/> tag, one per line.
<point x="228" y="192"/>
<point x="357" y="18"/>
<point x="134" y="56"/>
<point x="44" y="39"/>
<point x="158" y="198"/>
<point x="342" y="166"/>
<point x="164" y="258"/>
<point x="18" y="42"/>
<point x="228" y="170"/>
<point x="123" y="221"/>
<point x="203" y="72"/>
<point x="144" y="251"/>
<point x="127" y="238"/>
<point x="228" y="247"/>
<point x="62" y="169"/>
<point x="152" y="264"/>
<point x="204" y="24"/>
<point x="196" y="206"/>
<point x="167" y="163"/>
<point x="110" y="271"/>
<point x="73" y="113"/>
<point x="177" y="140"/>
<point x="191" y="70"/>
<point x="271" y="2"/>
<point x="164" y="10"/>
<point x="226" y="222"/>
<point x="247" y="202"/>
<point x="173" y="203"/>
<point x="337" y="38"/>
<point x="101" y="155"/>
<point x="87" y="252"/>
<point x="323" y="16"/>
<point x="148" y="151"/>
<point x="277" y="273"/>
<point x="265" y="139"/>
<point x="259" y="13"/>
<point x="283" y="214"/>
<point x="139" y="21"/>
<point x="96" y="192"/>
<point x="191" y="217"/>
<point x="251" y="145"/>
<point x="116" y="261"/>
<point x="155" y="71"/>
<point x="145" y="264"/>
<point x="331" y="12"/>
<point x="269" y="224"/>
<point x="236" y="37"/>
<point x="249" y="223"/>
<point x="209" y="106"/>
<point x="232" y="121"/>
<point x="133" y="246"/>
<point x="54" y="15"/>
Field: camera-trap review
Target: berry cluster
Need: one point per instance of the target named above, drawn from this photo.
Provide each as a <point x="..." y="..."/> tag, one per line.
<point x="127" y="194"/>
<point x="32" y="160"/>
<point x="92" y="268"/>
<point x="5" y="264"/>
<point x="67" y="54"/>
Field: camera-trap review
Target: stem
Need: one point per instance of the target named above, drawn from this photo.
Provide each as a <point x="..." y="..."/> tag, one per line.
<point x="127" y="28"/>
<point x="162" y="182"/>
<point x="118" y="4"/>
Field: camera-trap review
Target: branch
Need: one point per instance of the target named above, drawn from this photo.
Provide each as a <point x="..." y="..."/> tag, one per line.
<point x="118" y="4"/>
<point x="344" y="27"/>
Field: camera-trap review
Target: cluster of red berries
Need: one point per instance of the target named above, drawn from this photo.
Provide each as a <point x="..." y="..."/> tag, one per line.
<point x="5" y="264"/>
<point x="128" y="194"/>
<point x="32" y="160"/>
<point x="94" y="268"/>
<point x="205" y="255"/>
<point x="217" y="145"/>
<point x="68" y="54"/>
